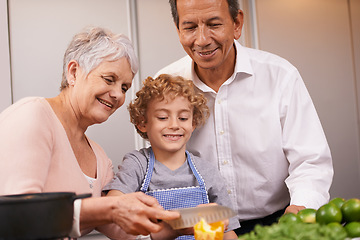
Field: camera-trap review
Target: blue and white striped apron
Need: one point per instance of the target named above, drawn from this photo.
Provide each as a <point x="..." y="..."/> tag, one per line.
<point x="177" y="197"/>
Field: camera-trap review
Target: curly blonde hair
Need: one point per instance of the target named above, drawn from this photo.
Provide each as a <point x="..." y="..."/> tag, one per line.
<point x="161" y="87"/>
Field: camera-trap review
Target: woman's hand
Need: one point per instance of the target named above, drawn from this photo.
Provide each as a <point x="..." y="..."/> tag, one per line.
<point x="137" y="213"/>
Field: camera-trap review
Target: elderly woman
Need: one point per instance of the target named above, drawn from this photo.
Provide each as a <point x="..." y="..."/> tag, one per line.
<point x="43" y="146"/>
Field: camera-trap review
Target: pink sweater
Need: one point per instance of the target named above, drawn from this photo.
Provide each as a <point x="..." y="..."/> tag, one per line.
<point x="36" y="156"/>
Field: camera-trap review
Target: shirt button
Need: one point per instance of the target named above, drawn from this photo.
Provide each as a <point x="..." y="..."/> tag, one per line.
<point x="225" y="162"/>
<point x="219" y="101"/>
<point x="229" y="191"/>
<point x="222" y="132"/>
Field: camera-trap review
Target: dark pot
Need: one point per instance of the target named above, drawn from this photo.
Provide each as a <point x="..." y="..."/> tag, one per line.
<point x="37" y="215"/>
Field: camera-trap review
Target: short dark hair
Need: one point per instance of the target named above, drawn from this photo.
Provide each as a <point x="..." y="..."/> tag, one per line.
<point x="233" y="10"/>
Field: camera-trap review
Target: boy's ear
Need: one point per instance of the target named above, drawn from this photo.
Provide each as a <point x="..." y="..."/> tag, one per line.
<point x="194" y="125"/>
<point x="142" y="127"/>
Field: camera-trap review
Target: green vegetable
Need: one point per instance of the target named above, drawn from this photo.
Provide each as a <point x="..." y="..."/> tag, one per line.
<point x="294" y="231"/>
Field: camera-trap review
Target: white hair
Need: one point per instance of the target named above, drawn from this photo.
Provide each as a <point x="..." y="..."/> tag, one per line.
<point x="95" y="45"/>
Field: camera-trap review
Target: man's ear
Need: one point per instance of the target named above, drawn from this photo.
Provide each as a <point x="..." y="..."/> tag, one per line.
<point x="177" y="29"/>
<point x="238" y="25"/>
<point x="72" y="68"/>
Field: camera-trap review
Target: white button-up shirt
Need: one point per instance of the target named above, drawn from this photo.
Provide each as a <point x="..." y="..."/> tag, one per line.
<point x="264" y="134"/>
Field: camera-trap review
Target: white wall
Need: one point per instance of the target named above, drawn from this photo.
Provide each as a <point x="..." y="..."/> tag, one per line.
<point x="355" y="27"/>
<point x="158" y="39"/>
<point x="40" y="31"/>
<point x="5" y="82"/>
<point x="316" y="36"/>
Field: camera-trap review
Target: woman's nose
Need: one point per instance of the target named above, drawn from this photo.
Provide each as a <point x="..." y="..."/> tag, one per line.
<point x="117" y="94"/>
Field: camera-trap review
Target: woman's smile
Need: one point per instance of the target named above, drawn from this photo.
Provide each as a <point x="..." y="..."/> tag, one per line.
<point x="107" y="104"/>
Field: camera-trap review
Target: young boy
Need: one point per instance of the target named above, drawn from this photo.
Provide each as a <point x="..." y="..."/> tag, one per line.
<point x="165" y="112"/>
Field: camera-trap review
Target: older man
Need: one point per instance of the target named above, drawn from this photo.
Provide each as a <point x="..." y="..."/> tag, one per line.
<point x="263" y="133"/>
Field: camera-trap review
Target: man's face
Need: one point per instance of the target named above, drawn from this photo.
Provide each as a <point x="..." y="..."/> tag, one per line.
<point x="207" y="31"/>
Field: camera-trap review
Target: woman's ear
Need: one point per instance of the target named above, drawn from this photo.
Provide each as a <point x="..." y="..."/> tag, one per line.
<point x="72" y="69"/>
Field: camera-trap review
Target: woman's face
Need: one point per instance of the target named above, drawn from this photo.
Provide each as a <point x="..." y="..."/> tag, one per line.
<point x="99" y="94"/>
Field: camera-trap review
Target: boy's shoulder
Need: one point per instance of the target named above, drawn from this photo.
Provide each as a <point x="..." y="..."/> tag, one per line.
<point x="137" y="157"/>
<point x="143" y="153"/>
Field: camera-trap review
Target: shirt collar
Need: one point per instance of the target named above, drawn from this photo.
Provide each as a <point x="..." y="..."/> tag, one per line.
<point x="242" y="60"/>
<point x="197" y="82"/>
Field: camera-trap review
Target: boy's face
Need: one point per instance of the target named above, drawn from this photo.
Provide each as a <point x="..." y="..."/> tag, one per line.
<point x="169" y="124"/>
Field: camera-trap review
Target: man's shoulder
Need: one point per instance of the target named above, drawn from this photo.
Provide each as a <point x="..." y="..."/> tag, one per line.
<point x="179" y="67"/>
<point x="262" y="57"/>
